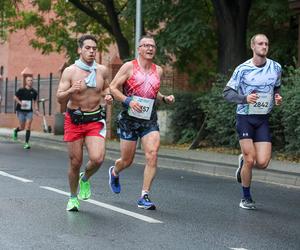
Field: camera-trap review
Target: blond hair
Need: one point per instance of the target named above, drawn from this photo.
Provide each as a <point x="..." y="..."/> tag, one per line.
<point x="252" y="40"/>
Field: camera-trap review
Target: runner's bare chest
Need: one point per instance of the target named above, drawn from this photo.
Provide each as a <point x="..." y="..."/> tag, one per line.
<point x="80" y="75"/>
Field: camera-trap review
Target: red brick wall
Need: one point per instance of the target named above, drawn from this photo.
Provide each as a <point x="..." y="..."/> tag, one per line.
<point x="11" y="121"/>
<point x="19" y="54"/>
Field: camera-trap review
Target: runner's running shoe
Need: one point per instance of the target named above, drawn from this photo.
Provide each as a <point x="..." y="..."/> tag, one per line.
<point x="73" y="204"/>
<point x="239" y="169"/>
<point x="247" y="204"/>
<point x="15" y="135"/>
<point x="114" y="182"/>
<point x="84" y="188"/>
<point x="26" y="146"/>
<point x="145" y="203"/>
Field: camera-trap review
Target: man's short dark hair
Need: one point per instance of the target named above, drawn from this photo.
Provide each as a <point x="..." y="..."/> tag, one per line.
<point x="86" y="37"/>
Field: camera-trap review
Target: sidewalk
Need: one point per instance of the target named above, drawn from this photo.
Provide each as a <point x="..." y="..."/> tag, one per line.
<point x="211" y="163"/>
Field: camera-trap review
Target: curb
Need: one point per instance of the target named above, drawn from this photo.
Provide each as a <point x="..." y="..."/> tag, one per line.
<point x="173" y="161"/>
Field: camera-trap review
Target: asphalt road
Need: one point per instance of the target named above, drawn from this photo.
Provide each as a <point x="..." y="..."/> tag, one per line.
<point x="194" y="211"/>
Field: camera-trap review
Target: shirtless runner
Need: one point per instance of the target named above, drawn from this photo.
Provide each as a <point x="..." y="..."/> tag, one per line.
<point x="84" y="87"/>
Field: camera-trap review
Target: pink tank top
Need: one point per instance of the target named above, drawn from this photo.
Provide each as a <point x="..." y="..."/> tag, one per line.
<point x="142" y="84"/>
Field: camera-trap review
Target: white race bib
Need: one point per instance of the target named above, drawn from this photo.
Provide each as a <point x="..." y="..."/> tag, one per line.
<point x="25" y="105"/>
<point x="147" y="106"/>
<point x="262" y="105"/>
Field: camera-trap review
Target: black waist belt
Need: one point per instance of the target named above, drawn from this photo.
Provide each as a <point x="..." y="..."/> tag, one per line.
<point x="81" y="117"/>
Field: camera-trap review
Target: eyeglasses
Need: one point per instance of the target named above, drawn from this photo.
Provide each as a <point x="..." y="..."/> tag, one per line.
<point x="148" y="46"/>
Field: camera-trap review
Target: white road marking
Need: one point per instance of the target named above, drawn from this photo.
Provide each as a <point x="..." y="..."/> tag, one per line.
<point x="14" y="177"/>
<point x="233" y="248"/>
<point x="110" y="207"/>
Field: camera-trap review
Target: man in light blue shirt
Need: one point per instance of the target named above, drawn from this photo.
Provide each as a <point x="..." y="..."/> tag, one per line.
<point x="254" y="86"/>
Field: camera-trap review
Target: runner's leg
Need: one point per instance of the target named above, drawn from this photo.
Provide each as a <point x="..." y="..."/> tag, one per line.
<point x="75" y="150"/>
<point x="263" y="154"/>
<point x="249" y="155"/>
<point x="127" y="149"/>
<point x="96" y="150"/>
<point x="150" y="142"/>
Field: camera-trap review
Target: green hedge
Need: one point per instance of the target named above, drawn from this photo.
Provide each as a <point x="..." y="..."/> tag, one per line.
<point x="187" y="117"/>
<point x="191" y="108"/>
<point x="290" y="111"/>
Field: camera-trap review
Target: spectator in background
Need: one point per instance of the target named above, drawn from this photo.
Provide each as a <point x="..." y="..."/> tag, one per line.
<point x="26" y="99"/>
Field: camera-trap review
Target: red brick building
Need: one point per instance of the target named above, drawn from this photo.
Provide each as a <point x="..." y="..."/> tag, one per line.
<point x="17" y="54"/>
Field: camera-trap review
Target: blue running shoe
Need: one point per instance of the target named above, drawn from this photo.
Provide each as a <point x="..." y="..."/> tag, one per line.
<point x="114" y="181"/>
<point x="145" y="203"/>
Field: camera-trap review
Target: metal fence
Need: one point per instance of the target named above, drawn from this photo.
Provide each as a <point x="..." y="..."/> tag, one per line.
<point x="46" y="88"/>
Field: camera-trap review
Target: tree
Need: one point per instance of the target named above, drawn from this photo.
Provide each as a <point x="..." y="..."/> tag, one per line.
<point x="232" y="17"/>
<point x="275" y="19"/>
<point x="57" y="24"/>
<point x="108" y="19"/>
<point x="184" y="32"/>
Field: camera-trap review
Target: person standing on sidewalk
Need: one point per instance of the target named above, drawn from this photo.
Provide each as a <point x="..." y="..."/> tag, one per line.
<point x="254" y="86"/>
<point x="26" y="99"/>
<point x="140" y="81"/>
<point x="83" y="86"/>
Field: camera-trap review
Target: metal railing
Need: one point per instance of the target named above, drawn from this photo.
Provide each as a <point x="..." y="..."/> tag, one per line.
<point x="46" y="88"/>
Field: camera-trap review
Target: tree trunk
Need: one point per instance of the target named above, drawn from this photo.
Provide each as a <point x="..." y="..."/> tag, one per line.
<point x="112" y="27"/>
<point x="232" y="18"/>
<point x="199" y="136"/>
<point x="122" y="43"/>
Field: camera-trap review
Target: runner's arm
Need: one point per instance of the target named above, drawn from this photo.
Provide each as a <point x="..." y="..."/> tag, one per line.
<point x="166" y="99"/>
<point x="117" y="83"/>
<point x="16" y="98"/>
<point x="231" y="95"/>
<point x="108" y="97"/>
<point x="105" y="75"/>
<point x="64" y="90"/>
<point x="277" y="90"/>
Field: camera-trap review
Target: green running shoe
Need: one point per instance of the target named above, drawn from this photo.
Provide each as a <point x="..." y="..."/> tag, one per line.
<point x="84" y="188"/>
<point x="73" y="204"/>
<point x="15" y="135"/>
<point x="26" y="146"/>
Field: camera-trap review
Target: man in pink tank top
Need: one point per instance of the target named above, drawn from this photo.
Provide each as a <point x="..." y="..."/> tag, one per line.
<point x="140" y="81"/>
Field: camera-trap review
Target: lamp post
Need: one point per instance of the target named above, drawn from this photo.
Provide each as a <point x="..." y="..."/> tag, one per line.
<point x="138" y="25"/>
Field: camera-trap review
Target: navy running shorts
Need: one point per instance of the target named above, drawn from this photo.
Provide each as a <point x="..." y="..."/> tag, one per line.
<point x="255" y="127"/>
<point x="131" y="129"/>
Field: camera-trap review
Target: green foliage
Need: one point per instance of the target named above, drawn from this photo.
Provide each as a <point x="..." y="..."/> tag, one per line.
<point x="291" y="110"/>
<point x="116" y="109"/>
<point x="183" y="30"/>
<point x="58" y="30"/>
<point x="220" y="128"/>
<point x="278" y="22"/>
<point x="43" y="5"/>
<point x="7" y="12"/>
<point x="186" y="116"/>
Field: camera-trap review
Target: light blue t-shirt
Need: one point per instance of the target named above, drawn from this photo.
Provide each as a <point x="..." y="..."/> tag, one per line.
<point x="248" y="78"/>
